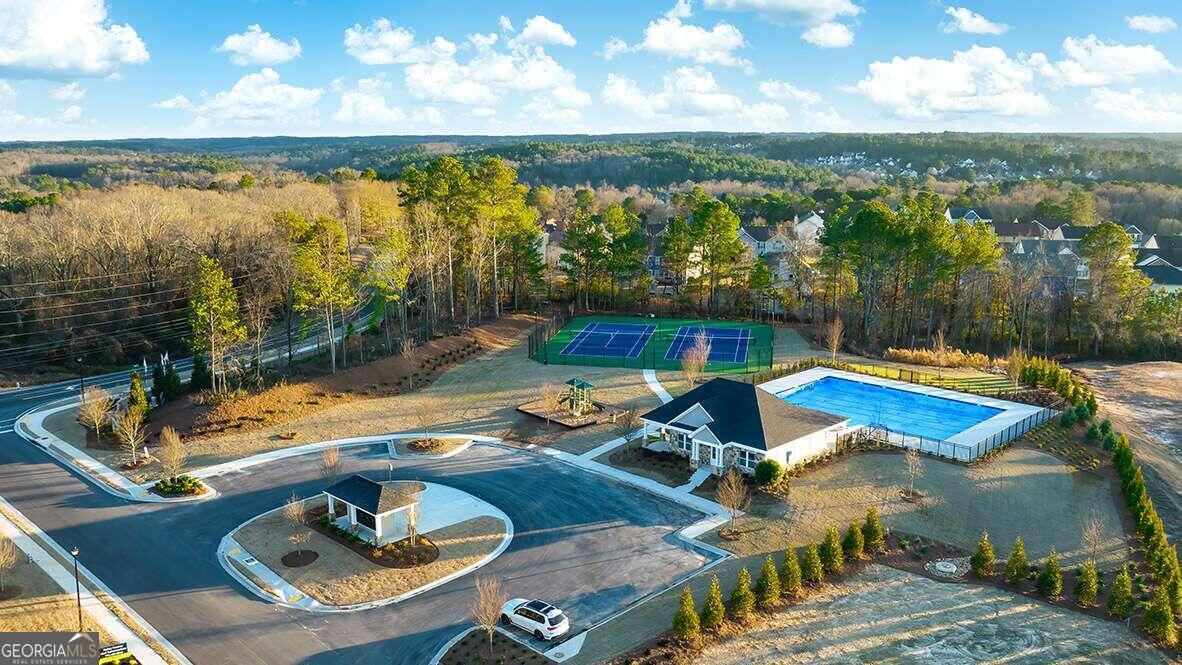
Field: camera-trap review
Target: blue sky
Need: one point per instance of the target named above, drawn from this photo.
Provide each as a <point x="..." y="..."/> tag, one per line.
<point x="122" y="68"/>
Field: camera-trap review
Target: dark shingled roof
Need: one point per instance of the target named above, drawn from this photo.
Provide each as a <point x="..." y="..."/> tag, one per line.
<point x="959" y="213"/>
<point x="1163" y="275"/>
<point x="743" y="413"/>
<point x="760" y="233"/>
<point x="1016" y="229"/>
<point x="1170" y="256"/>
<point x="1168" y="242"/>
<point x="1074" y="232"/>
<point x="374" y="497"/>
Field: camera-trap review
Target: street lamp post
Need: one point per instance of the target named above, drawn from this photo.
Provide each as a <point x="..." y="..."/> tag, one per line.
<point x="81" y="380"/>
<point x="77" y="586"/>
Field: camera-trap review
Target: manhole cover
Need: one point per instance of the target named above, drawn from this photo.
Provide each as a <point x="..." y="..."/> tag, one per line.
<point x="945" y="567"/>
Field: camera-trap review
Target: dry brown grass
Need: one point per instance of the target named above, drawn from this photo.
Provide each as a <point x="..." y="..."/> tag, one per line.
<point x="42" y="605"/>
<point x="441" y="447"/>
<point x="341" y="577"/>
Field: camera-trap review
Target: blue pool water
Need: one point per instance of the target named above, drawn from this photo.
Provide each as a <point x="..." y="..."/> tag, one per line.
<point x="897" y="410"/>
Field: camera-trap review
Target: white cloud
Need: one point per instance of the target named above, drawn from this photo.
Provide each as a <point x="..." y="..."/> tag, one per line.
<point x="613" y="47"/>
<point x="801" y="11"/>
<point x="366" y="104"/>
<point x="383" y="43"/>
<point x="71" y="92"/>
<point x="980" y="80"/>
<point x="255" y="47"/>
<point x="670" y="37"/>
<point x="682" y="9"/>
<point x="6" y="89"/>
<point x="483" y="112"/>
<point x="262" y="97"/>
<point x="1154" y="110"/>
<point x="1151" y="23"/>
<point x="71" y="113"/>
<point x="1091" y="62"/>
<point x="829" y="35"/>
<point x="505" y="24"/>
<point x="64" y="38"/>
<point x="540" y="30"/>
<point x="177" y="101"/>
<point x="690" y="96"/>
<point x="784" y="91"/>
<point x="967" y="20"/>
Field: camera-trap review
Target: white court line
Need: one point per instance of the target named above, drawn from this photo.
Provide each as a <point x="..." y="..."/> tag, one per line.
<point x="578" y="339"/>
<point x="675" y="348"/>
<point x="645" y="335"/>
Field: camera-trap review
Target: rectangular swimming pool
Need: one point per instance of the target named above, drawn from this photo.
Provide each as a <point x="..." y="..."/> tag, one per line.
<point x="900" y="411"/>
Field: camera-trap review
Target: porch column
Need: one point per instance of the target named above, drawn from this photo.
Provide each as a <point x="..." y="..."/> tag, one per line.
<point x="352" y="514"/>
<point x="332" y="507"/>
<point x="377" y="529"/>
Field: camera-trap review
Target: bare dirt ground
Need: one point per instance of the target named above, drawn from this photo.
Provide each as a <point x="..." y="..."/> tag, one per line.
<point x="1021" y="493"/>
<point x="883" y="615"/>
<point x="1145" y="401"/>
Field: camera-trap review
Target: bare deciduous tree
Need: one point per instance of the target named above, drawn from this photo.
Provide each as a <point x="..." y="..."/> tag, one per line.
<point x="171" y="454"/>
<point x="694" y="359"/>
<point x="626" y="423"/>
<point x="92" y="412"/>
<point x="1092" y="537"/>
<point x="8" y="558"/>
<point x="914" y="469"/>
<point x="732" y="494"/>
<point x="427" y="416"/>
<point x="834" y="332"/>
<point x="293" y="512"/>
<point x="330" y="463"/>
<point x="486" y="606"/>
<point x="552" y="396"/>
<point x="129" y="429"/>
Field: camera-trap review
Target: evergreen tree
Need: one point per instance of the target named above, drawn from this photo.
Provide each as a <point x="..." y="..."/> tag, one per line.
<point x="767" y="587"/>
<point x="685" y="622"/>
<point x="200" y="379"/>
<point x="831" y="555"/>
<point x="213" y="316"/>
<point x="790" y="573"/>
<point x="1159" y="618"/>
<point x="713" y="611"/>
<point x="854" y="542"/>
<point x="1087" y="585"/>
<point x="1120" y="599"/>
<point x="1050" y="580"/>
<point x="172" y="381"/>
<point x="137" y="397"/>
<point x="983" y="560"/>
<point x="742" y="600"/>
<point x="873" y="535"/>
<point x="158" y="381"/>
<point x="1174" y="591"/>
<point x="1017" y="565"/>
<point x="811" y="568"/>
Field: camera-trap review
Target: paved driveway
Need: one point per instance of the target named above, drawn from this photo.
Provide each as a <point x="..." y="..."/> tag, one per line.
<point x="588" y="544"/>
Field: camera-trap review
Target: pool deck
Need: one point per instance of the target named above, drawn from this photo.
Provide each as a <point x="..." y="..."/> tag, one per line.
<point x="1010" y="412"/>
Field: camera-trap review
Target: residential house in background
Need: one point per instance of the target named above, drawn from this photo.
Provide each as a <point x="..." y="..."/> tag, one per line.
<point x="551" y="247"/>
<point x="1165" y="278"/>
<point x="1159" y="256"/>
<point x="1061" y="267"/>
<point x="763" y="240"/>
<point x="808" y="228"/>
<point x="1011" y="232"/>
<point x="968" y="214"/>
<point x="1159" y="241"/>
<point x="1136" y="234"/>
<point x="726" y="424"/>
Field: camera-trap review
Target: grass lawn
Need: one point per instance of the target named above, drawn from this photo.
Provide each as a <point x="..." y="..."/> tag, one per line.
<point x="474" y="649"/>
<point x="340" y="577"/>
<point x="41" y="605"/>
<point x="667" y="468"/>
<point x="1022" y="492"/>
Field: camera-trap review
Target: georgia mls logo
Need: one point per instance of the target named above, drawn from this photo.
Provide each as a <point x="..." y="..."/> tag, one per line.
<point x="49" y="649"/>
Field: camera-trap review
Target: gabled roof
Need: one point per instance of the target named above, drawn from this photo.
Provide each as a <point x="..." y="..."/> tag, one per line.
<point x="1017" y="229"/>
<point x="373" y="497"/>
<point x="1168" y="242"/>
<point x="1171" y="256"/>
<point x="1163" y="275"/>
<point x="742" y="413"/>
<point x="759" y="233"/>
<point x="960" y="213"/>
<point x="1071" y="232"/>
<point x="1047" y="247"/>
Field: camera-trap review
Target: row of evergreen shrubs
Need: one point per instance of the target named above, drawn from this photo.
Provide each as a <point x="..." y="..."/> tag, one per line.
<point x="777" y="584"/>
<point x="1039" y="371"/>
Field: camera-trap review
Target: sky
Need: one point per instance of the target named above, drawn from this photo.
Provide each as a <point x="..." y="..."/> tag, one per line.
<point x="75" y="69"/>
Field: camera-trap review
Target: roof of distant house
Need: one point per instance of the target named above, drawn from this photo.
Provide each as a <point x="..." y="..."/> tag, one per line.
<point x="760" y="233"/>
<point x="1016" y="229"/>
<point x="1168" y="242"/>
<point x="1170" y="256"/>
<point x="1163" y="275"/>
<point x="1071" y="232"/>
<point x="745" y="414"/>
<point x="960" y="213"/>
<point x="376" y="498"/>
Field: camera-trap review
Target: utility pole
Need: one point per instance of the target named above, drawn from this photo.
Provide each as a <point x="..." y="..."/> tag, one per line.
<point x="77" y="586"/>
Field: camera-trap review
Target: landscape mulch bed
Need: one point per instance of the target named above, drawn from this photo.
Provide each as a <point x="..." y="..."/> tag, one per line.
<point x="10" y="591"/>
<point x="473" y="649"/>
<point x="399" y="554"/>
<point x="671" y="468"/>
<point x="299" y="559"/>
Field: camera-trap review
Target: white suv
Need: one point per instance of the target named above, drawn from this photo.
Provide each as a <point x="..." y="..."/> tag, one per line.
<point x="545" y="621"/>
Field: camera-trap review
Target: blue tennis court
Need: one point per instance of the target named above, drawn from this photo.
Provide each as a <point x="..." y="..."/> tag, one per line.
<point x="622" y="340"/>
<point x="728" y="345"/>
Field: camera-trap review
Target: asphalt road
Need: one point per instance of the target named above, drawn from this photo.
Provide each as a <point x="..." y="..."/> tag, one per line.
<point x="586" y="543"/>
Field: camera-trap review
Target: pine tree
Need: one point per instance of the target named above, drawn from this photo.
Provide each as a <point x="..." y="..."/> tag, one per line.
<point x="1050" y="581"/>
<point x="1017" y="565"/>
<point x="790" y="573"/>
<point x="713" y="611"/>
<point x="172" y="381"/>
<point x="831" y="555"/>
<point x="873" y="535"/>
<point x="1159" y="618"/>
<point x="742" y="601"/>
<point x="137" y="397"/>
<point x="1174" y="592"/>
<point x="200" y="379"/>
<point x="811" y="569"/>
<point x="983" y="560"/>
<point x="767" y="587"/>
<point x="854" y="542"/>
<point x="1120" y="599"/>
<point x="158" y="381"/>
<point x="1087" y="585"/>
<point x="685" y="622"/>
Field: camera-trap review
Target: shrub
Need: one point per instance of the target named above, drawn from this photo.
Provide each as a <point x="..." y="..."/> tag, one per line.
<point x="1067" y="419"/>
<point x="685" y="622"/>
<point x="1109" y="441"/>
<point x="1093" y="432"/>
<point x="768" y="472"/>
<point x="200" y="379"/>
<point x="811" y="569"/>
<point x="1120" y="599"/>
<point x="1017" y="564"/>
<point x="1087" y="585"/>
<point x="983" y="560"/>
<point x="713" y="611"/>
<point x="831" y="555"/>
<point x="946" y="357"/>
<point x="1159" y="619"/>
<point x="853" y="543"/>
<point x="742" y="601"/>
<point x="790" y="573"/>
<point x="873" y="535"/>
<point x="1050" y="581"/>
<point x="1081" y="413"/>
<point x="767" y="587"/>
<point x="1105" y="426"/>
<point x="137" y="397"/>
<point x="179" y="486"/>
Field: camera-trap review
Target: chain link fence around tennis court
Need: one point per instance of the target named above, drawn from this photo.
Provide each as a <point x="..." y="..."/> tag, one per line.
<point x="550" y="337"/>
